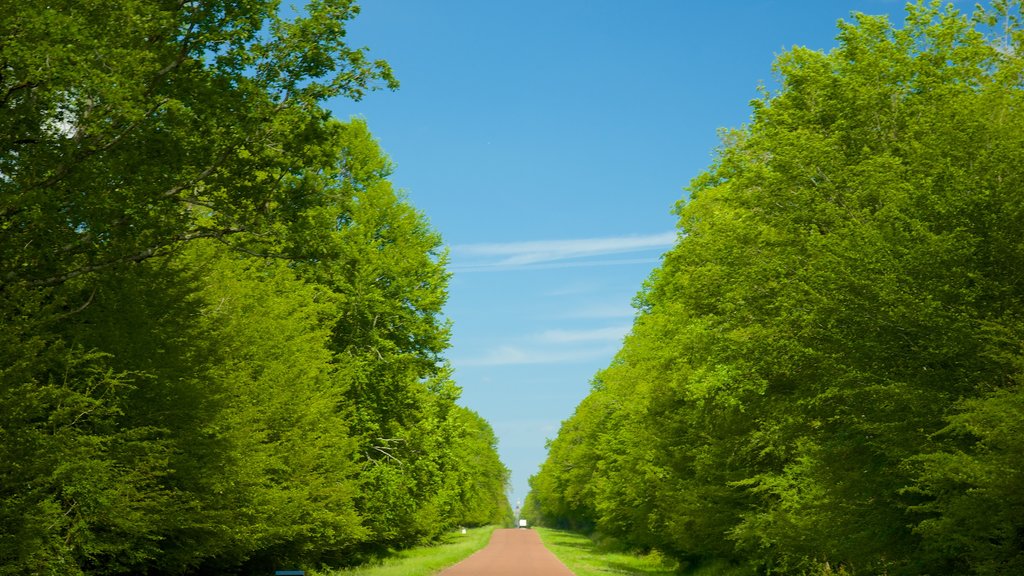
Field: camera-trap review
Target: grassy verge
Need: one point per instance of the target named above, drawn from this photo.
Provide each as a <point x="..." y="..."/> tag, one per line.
<point x="585" y="558"/>
<point x="425" y="560"/>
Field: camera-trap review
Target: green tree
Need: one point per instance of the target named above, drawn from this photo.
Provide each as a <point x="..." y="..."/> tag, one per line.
<point x="825" y="368"/>
<point x="78" y="491"/>
<point x="377" y="261"/>
<point x="221" y="328"/>
<point x="129" y="128"/>
<point x="480" y="482"/>
<point x="973" y="488"/>
<point x="127" y="131"/>
<point x="563" y="489"/>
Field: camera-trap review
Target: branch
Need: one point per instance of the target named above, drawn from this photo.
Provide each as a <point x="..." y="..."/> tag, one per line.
<point x="13" y="89"/>
<point x="387" y="445"/>
<point x="59" y="317"/>
<point x="253" y="253"/>
<point x="174" y="191"/>
<point x="77" y="158"/>
<point x="382" y="450"/>
<point x="158" y="250"/>
<point x="186" y="47"/>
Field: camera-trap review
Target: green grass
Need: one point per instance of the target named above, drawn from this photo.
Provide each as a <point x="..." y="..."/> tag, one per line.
<point x="586" y="558"/>
<point x="424" y="560"/>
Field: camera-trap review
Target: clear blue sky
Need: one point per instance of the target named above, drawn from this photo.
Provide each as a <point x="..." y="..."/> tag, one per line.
<point x="547" y="141"/>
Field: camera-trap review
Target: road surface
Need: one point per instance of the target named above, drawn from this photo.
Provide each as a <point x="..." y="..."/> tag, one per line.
<point x="511" y="552"/>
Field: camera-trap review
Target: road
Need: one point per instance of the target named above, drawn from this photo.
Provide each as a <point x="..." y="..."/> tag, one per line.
<point x="511" y="552"/>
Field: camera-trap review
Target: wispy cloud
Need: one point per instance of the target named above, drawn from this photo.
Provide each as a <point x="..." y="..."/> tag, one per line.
<point x="558" y="253"/>
<point x="518" y="355"/>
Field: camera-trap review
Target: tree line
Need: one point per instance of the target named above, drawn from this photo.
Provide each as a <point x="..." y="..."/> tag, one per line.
<point x="824" y="376"/>
<point x="221" y="329"/>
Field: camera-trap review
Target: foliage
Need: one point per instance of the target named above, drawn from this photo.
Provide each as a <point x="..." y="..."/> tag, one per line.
<point x="129" y="128"/>
<point x="824" y="373"/>
<point x="221" y="338"/>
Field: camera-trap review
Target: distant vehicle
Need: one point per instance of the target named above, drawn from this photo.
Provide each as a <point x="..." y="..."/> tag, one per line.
<point x="522" y="522"/>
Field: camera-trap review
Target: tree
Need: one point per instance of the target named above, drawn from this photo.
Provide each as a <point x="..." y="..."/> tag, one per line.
<point x="482" y="481"/>
<point x="563" y="489"/>
<point x="221" y="329"/>
<point x="827" y="363"/>
<point x="375" y="259"/>
<point x="131" y="128"/>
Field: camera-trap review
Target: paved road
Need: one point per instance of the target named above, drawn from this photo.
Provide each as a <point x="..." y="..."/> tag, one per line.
<point x="511" y="552"/>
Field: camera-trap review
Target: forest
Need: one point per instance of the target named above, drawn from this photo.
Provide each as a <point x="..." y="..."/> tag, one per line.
<point x="221" y="331"/>
<point x="824" y="375"/>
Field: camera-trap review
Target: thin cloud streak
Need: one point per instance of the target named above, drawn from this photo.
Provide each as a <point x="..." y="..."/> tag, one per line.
<point x="496" y="267"/>
<point x="556" y="253"/>
<point x="513" y="355"/>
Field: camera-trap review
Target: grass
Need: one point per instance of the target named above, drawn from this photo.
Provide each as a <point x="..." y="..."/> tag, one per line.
<point x="587" y="558"/>
<point x="424" y="560"/>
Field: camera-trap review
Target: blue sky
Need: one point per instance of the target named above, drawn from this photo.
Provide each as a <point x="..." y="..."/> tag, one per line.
<point x="547" y="141"/>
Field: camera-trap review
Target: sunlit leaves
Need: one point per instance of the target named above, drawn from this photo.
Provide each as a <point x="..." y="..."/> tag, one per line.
<point x="221" y="332"/>
<point x="825" y="368"/>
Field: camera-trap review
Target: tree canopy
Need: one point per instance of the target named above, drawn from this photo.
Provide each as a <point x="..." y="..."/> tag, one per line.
<point x="221" y="330"/>
<point x="825" y="373"/>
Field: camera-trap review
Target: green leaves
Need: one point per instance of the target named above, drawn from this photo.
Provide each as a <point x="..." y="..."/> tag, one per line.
<point x="193" y="96"/>
<point x="220" y="327"/>
<point x="971" y="492"/>
<point x="816" y="371"/>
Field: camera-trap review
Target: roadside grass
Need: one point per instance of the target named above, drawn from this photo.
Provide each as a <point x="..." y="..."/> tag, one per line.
<point x="423" y="560"/>
<point x="587" y="558"/>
